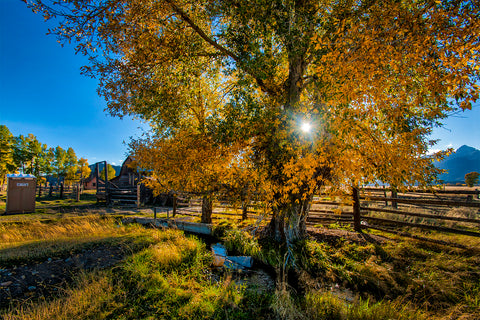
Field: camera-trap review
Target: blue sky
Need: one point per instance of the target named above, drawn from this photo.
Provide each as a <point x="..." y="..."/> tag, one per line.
<point x="42" y="92"/>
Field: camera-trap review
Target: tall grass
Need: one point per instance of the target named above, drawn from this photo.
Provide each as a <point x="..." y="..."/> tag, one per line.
<point x="168" y="276"/>
<point x="171" y="279"/>
<point x="33" y="240"/>
<point x="83" y="301"/>
<point x="431" y="277"/>
<point x="92" y="225"/>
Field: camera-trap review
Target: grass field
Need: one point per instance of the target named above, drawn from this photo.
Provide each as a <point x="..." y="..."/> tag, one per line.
<point x="79" y="264"/>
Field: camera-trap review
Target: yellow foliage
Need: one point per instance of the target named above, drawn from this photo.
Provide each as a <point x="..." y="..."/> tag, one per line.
<point x="225" y="87"/>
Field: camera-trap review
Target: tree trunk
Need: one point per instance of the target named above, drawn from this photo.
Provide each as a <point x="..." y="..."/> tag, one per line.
<point x="174" y="206"/>
<point x="394" y="196"/>
<point x="288" y="223"/>
<point x="61" y="190"/>
<point x="244" y="210"/>
<point x="356" y="209"/>
<point x="207" y="208"/>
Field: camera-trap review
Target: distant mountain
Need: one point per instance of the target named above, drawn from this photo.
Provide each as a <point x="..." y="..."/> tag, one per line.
<point x="466" y="159"/>
<point x="100" y="168"/>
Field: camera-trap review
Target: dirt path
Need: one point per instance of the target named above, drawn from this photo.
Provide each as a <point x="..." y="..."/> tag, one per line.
<point x="33" y="281"/>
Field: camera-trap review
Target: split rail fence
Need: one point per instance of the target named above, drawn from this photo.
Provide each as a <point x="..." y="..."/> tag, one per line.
<point x="450" y="211"/>
<point x="191" y="206"/>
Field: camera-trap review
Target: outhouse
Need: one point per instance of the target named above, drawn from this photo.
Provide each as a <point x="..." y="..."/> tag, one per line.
<point x="20" y="193"/>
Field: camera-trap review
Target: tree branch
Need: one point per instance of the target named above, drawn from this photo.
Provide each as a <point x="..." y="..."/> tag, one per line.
<point x="265" y="87"/>
<point x="201" y="33"/>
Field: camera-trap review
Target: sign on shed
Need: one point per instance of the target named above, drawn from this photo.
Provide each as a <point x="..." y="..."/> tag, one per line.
<point x="20" y="193"/>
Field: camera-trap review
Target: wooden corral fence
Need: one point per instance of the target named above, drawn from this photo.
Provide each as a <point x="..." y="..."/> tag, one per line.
<point x="113" y="194"/>
<point x="190" y="205"/>
<point x="450" y="211"/>
<point x="59" y="191"/>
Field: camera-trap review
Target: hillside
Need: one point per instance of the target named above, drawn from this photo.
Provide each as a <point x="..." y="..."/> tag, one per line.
<point x="466" y="159"/>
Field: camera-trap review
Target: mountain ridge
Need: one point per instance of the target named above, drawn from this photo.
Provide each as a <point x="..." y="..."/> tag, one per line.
<point x="464" y="160"/>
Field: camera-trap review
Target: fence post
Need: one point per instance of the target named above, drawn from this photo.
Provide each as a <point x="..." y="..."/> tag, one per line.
<point x="394" y="196"/>
<point x="78" y="193"/>
<point x="138" y="195"/>
<point x="356" y="210"/>
<point x="51" y="190"/>
<point x="97" y="177"/>
<point x="174" y="206"/>
<point x="385" y="196"/>
<point x="244" y="210"/>
<point x="40" y="190"/>
<point x="61" y="190"/>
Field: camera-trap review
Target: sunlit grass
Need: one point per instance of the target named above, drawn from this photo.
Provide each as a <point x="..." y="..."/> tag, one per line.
<point x="85" y="300"/>
<point x="70" y="227"/>
<point x="432" y="277"/>
<point x="168" y="280"/>
<point x="33" y="240"/>
<point x="166" y="274"/>
<point x="324" y="305"/>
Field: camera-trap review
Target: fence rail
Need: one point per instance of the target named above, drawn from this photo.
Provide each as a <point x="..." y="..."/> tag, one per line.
<point x="363" y="210"/>
<point x="425" y="202"/>
<point x="61" y="191"/>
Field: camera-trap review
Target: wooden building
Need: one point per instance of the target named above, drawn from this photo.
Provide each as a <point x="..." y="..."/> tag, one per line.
<point x="90" y="183"/>
<point x="128" y="176"/>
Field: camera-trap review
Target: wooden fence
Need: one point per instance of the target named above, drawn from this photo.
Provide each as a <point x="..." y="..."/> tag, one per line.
<point x="191" y="206"/>
<point x="451" y="211"/>
<point x="59" y="191"/>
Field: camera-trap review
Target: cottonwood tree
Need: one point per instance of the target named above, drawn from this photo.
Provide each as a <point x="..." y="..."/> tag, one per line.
<point x="84" y="169"/>
<point x="7" y="163"/>
<point x="371" y="77"/>
<point x="34" y="148"/>
<point x="182" y="154"/>
<point x="111" y="172"/>
<point x="471" y="178"/>
<point x="21" y="154"/>
<point x="59" y="163"/>
<point x="71" y="165"/>
<point x="48" y="160"/>
<point x="27" y="154"/>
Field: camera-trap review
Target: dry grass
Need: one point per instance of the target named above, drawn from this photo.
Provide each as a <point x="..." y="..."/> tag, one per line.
<point x="33" y="240"/>
<point x="80" y="227"/>
<point x="435" y="279"/>
<point x="83" y="301"/>
<point x="166" y="281"/>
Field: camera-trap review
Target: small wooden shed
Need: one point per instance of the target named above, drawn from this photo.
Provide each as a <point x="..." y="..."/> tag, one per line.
<point x="21" y="190"/>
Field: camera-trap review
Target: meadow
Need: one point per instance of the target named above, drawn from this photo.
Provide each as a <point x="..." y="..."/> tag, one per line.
<point x="86" y="263"/>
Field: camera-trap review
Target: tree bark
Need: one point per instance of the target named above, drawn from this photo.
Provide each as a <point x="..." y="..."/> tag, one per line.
<point x="288" y="223"/>
<point x="356" y="209"/>
<point x="207" y="208"/>
<point x="244" y="210"/>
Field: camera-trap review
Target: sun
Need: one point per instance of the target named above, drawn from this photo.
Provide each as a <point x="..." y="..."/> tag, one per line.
<point x="306" y="127"/>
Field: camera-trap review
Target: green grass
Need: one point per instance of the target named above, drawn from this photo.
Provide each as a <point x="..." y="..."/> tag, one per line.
<point x="170" y="279"/>
<point x="167" y="275"/>
<point x="53" y="205"/>
<point x="31" y="241"/>
<point x="400" y="278"/>
<point x="433" y="278"/>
